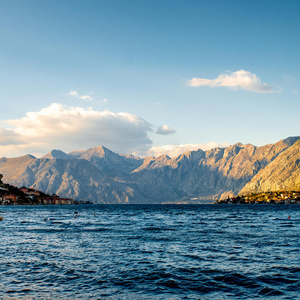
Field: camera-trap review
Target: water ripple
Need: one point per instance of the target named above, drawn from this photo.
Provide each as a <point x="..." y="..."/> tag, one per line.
<point x="150" y="252"/>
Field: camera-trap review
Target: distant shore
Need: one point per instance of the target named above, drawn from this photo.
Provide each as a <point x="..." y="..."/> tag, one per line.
<point x="278" y="197"/>
<point x="11" y="195"/>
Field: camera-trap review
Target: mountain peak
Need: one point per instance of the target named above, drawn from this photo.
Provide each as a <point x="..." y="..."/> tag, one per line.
<point x="99" y="151"/>
<point x="54" y="154"/>
<point x="291" y="140"/>
<point x="27" y="156"/>
<point x="163" y="156"/>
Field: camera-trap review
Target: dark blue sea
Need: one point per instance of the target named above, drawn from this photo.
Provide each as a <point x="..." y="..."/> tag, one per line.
<point x="150" y="252"/>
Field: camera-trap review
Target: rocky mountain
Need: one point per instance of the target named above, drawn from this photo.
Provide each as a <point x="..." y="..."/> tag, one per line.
<point x="102" y="176"/>
<point x="281" y="174"/>
<point x="17" y="170"/>
<point x="216" y="173"/>
<point x="108" y="161"/>
<point x="57" y="154"/>
<point x="73" y="178"/>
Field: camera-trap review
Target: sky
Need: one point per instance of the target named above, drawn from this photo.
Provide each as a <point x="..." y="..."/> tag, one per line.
<point x="147" y="77"/>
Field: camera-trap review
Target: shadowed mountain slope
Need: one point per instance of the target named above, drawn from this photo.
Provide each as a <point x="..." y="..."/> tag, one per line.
<point x="74" y="178"/>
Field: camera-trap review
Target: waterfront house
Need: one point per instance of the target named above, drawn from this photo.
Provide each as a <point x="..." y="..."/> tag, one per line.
<point x="33" y="193"/>
<point x="66" y="201"/>
<point x="24" y="190"/>
<point x="11" y="199"/>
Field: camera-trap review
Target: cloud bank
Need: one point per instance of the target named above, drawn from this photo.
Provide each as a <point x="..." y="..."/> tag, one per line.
<point x="75" y="128"/>
<point x="175" y="150"/>
<point x="71" y="128"/>
<point x="241" y="79"/>
<point x="165" y="129"/>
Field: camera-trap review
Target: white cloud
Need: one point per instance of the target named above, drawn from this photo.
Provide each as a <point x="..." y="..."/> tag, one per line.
<point x="74" y="128"/>
<point x="71" y="128"/>
<point x="165" y="129"/>
<point x="175" y="150"/>
<point x="235" y="80"/>
<point x="74" y="94"/>
<point x="8" y="137"/>
<point x="88" y="97"/>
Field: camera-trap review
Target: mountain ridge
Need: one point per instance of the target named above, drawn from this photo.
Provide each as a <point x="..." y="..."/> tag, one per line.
<point x="103" y="176"/>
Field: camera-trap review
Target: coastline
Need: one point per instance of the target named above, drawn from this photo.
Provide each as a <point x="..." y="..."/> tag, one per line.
<point x="274" y="197"/>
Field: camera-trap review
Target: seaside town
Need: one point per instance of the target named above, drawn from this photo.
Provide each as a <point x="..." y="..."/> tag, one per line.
<point x="280" y="197"/>
<point x="11" y="195"/>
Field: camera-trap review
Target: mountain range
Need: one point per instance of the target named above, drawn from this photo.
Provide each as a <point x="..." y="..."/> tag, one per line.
<point x="102" y="176"/>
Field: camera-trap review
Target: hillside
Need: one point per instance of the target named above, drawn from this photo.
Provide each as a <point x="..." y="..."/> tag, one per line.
<point x="281" y="174"/>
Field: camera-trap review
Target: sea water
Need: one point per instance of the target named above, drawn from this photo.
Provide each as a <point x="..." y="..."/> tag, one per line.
<point x="150" y="252"/>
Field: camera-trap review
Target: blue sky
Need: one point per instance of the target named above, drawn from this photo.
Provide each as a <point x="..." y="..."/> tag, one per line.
<point x="138" y="58"/>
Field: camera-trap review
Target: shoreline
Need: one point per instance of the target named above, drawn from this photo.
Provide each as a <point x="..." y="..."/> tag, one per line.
<point x="275" y="197"/>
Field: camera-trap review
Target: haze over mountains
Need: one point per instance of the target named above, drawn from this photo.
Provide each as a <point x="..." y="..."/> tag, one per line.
<point x="102" y="176"/>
